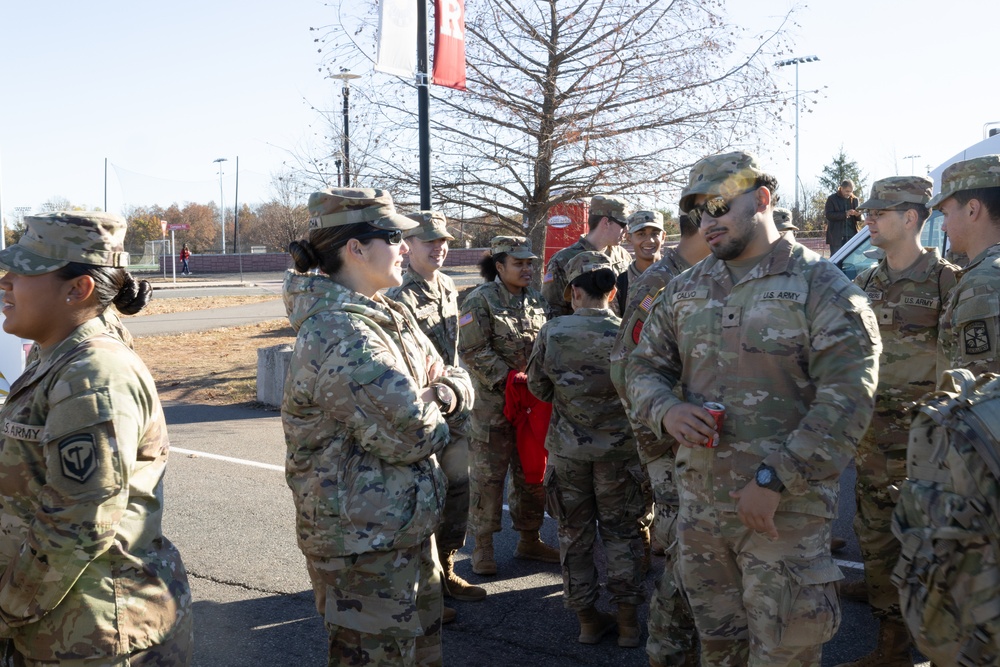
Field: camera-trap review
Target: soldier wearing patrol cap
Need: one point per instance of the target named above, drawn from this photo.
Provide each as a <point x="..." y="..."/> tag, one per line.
<point x="672" y="635"/>
<point x="645" y="233"/>
<point x="433" y="298"/>
<point x="784" y="341"/>
<point x="970" y="325"/>
<point x="87" y="575"/>
<point x="606" y="223"/>
<point x="499" y="322"/>
<point x="590" y="482"/>
<point x="368" y="403"/>
<point x="783" y="223"/>
<point x="907" y="289"/>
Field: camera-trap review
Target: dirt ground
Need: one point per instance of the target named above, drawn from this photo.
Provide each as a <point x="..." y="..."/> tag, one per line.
<point x="164" y="305"/>
<point x="217" y="367"/>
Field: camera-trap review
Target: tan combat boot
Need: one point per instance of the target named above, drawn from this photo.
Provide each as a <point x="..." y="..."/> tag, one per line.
<point x="893" y="649"/>
<point x="647" y="551"/>
<point x="594" y="625"/>
<point x="483" y="562"/>
<point x="447" y="615"/>
<point x="531" y="547"/>
<point x="628" y="626"/>
<point x="454" y="585"/>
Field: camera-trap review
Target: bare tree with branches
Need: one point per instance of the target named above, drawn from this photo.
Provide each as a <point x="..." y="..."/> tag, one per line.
<point x="569" y="99"/>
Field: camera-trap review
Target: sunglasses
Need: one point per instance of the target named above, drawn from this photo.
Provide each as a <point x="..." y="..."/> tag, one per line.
<point x="390" y="236"/>
<point x="716" y="207"/>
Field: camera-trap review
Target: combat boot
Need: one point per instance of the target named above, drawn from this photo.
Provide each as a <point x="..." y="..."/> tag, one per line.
<point x="483" y="562"/>
<point x="628" y="626"/>
<point x="856" y="590"/>
<point x="531" y="547"/>
<point x="893" y="649"/>
<point x="447" y="615"/>
<point x="594" y="625"/>
<point x="454" y="585"/>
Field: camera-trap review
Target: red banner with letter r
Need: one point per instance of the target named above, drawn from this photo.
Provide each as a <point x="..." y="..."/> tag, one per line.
<point x="449" y="43"/>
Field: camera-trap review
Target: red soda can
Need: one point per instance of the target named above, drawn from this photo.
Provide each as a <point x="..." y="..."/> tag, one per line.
<point x="718" y="412"/>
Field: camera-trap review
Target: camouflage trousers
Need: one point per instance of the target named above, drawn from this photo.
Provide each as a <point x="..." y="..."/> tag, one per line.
<point x="587" y="497"/>
<point x="381" y="608"/>
<point x="672" y="633"/>
<point x="489" y="462"/>
<point x="758" y="601"/>
<point x="175" y="651"/>
<point x="880" y="475"/>
<point x="454" y="461"/>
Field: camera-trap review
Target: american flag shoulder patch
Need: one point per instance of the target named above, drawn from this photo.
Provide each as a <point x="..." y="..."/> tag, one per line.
<point x="465" y="319"/>
<point x="646" y="303"/>
<point x="547" y="278"/>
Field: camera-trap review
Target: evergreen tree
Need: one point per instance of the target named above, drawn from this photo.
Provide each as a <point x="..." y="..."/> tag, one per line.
<point x="840" y="168"/>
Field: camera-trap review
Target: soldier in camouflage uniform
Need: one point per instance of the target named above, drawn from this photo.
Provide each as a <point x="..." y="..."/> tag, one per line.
<point x="672" y="635"/>
<point x="790" y="347"/>
<point x="783" y="223"/>
<point x="907" y="289"/>
<point x="433" y="298"/>
<point x="970" y="321"/>
<point x="606" y="222"/>
<point x="87" y="576"/>
<point x="645" y="233"/>
<point x="497" y="327"/>
<point x="590" y="481"/>
<point x="367" y="409"/>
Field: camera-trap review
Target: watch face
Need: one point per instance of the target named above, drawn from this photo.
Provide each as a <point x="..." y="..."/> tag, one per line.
<point x="764" y="476"/>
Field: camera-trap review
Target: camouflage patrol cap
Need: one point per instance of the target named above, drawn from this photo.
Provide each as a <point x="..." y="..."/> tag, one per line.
<point x="53" y="240"/>
<point x="783" y="220"/>
<point x="727" y="174"/>
<point x="641" y="219"/>
<point x="979" y="172"/>
<point x="610" y="206"/>
<point x="334" y="207"/>
<point x="515" y="246"/>
<point x="432" y="226"/>
<point x="585" y="262"/>
<point x="898" y="191"/>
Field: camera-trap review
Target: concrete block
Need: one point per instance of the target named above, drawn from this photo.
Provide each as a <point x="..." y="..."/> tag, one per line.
<point x="272" y="367"/>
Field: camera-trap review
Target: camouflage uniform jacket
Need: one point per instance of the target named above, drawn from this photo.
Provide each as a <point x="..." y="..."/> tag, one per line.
<point x="907" y="310"/>
<point x="495" y="334"/>
<point x="791" y="350"/>
<point x="87" y="572"/>
<point x="568" y="368"/>
<point x="436" y="309"/>
<point x="360" y="441"/>
<point x="642" y="294"/>
<point x="970" y="321"/>
<point x="554" y="281"/>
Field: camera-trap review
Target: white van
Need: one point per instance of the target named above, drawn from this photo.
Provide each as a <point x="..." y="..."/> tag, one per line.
<point x="858" y="253"/>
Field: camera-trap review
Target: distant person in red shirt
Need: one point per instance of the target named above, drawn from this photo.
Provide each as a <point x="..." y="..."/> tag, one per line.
<point x="185" y="253"/>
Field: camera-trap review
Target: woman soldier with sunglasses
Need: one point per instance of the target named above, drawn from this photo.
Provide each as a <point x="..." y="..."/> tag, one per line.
<point x="366" y="407"/>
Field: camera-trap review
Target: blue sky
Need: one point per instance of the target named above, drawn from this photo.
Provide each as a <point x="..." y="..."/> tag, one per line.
<point x="163" y="89"/>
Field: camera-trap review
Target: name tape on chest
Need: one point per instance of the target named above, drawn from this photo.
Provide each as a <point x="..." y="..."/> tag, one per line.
<point x="25" y="432"/>
<point x="921" y="302"/>
<point x="783" y="295"/>
<point x="426" y="312"/>
<point x="874" y="295"/>
<point x="691" y="294"/>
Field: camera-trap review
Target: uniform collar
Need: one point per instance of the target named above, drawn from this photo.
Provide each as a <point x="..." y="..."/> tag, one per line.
<point x="918" y="272"/>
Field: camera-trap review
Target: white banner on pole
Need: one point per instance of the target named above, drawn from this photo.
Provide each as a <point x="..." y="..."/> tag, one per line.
<point x="397" y="37"/>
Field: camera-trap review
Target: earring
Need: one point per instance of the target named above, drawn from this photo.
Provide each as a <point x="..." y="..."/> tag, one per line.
<point x="68" y="299"/>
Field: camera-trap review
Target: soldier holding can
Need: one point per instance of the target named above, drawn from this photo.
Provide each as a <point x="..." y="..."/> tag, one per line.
<point x="790" y="347"/>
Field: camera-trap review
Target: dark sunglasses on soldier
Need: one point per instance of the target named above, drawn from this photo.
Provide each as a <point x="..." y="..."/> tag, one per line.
<point x="390" y="236"/>
<point x="716" y="207"/>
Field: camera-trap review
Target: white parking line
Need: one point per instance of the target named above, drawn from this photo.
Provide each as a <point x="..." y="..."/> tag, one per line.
<point x="218" y="457"/>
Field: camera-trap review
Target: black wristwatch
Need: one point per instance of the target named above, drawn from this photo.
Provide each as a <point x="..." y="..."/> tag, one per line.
<point x="444" y="397"/>
<point x="767" y="478"/>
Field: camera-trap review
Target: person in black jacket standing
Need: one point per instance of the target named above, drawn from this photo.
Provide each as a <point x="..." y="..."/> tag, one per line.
<point x="842" y="216"/>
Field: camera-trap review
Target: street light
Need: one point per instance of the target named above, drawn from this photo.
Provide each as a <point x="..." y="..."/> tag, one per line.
<point x="222" y="207"/>
<point x="785" y="63"/>
<point x="911" y="158"/>
<point x="346" y="77"/>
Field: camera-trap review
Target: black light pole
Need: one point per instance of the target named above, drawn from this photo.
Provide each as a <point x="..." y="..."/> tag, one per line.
<point x="423" y="107"/>
<point x="346" y="77"/>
